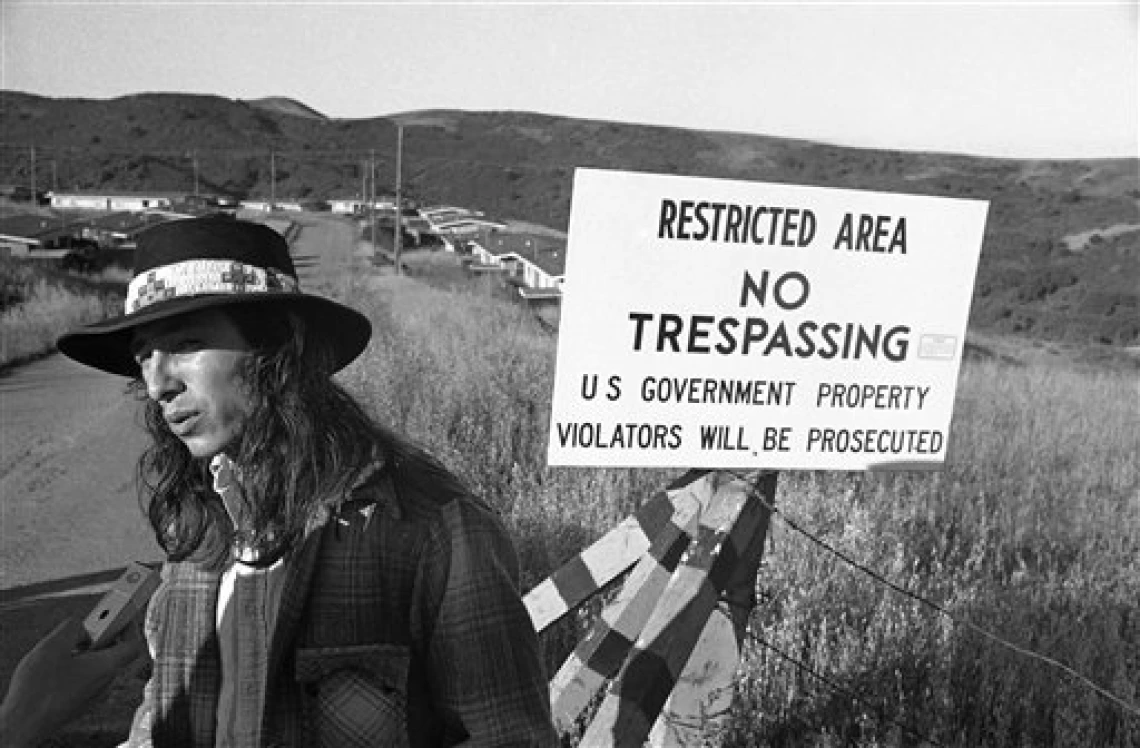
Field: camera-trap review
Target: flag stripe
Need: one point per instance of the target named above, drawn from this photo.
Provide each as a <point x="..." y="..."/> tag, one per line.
<point x="596" y="566"/>
<point x="601" y="652"/>
<point x="629" y="709"/>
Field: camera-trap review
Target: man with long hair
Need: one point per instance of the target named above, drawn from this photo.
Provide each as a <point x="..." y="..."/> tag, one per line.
<point x="326" y="583"/>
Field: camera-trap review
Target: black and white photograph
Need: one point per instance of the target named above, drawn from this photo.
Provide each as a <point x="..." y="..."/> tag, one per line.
<point x="568" y="373"/>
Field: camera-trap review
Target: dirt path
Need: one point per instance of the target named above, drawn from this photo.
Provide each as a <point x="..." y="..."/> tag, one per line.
<point x="69" y="514"/>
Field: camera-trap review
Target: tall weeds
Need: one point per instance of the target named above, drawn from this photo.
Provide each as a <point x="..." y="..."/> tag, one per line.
<point x="1031" y="532"/>
<point x="38" y="305"/>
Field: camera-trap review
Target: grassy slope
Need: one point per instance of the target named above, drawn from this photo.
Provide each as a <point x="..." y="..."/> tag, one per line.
<point x="1027" y="533"/>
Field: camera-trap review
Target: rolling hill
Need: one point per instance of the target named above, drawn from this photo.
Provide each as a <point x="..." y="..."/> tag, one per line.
<point x="1060" y="262"/>
<point x="285" y="105"/>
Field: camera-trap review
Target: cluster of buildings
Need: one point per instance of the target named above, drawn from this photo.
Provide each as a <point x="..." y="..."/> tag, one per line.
<point x="48" y="237"/>
<point x="533" y="263"/>
<point x="60" y="224"/>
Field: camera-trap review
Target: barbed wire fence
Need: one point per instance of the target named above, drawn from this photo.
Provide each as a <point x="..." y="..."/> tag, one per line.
<point x="880" y="579"/>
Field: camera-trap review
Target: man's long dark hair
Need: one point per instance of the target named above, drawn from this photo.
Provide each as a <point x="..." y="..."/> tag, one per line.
<point x="305" y="444"/>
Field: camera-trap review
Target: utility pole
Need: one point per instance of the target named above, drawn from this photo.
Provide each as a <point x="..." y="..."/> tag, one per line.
<point x="195" y="173"/>
<point x="363" y="184"/>
<point x="372" y="197"/>
<point x="33" y="174"/>
<point x="397" y="234"/>
<point x="272" y="180"/>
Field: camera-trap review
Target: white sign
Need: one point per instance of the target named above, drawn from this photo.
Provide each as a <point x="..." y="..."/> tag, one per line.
<point x="711" y="323"/>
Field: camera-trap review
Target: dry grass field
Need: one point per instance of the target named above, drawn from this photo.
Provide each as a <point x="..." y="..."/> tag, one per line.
<point x="38" y="303"/>
<point x="1029" y="534"/>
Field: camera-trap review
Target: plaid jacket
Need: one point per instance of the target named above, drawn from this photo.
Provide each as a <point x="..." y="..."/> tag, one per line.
<point x="400" y="624"/>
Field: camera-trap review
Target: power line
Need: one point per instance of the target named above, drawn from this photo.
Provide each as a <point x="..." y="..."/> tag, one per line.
<point x="337" y="156"/>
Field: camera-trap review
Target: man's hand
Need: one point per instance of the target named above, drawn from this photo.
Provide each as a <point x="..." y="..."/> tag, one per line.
<point x="57" y="680"/>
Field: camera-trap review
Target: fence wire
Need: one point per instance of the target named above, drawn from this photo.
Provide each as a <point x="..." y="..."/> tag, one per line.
<point x="833" y="685"/>
<point x="880" y="579"/>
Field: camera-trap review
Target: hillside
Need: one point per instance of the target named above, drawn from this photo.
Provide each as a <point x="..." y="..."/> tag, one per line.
<point x="1060" y="261"/>
<point x="285" y="105"/>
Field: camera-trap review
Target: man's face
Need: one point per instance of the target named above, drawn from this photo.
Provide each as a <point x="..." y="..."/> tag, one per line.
<point x="192" y="366"/>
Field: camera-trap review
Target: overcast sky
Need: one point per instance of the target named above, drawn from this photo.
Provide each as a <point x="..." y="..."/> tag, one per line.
<point x="1009" y="79"/>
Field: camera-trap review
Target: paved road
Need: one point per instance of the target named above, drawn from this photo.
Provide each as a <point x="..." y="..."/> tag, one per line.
<point x="69" y="514"/>
<point x="66" y="474"/>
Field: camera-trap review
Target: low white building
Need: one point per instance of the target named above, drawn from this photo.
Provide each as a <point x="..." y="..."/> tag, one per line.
<point x="268" y="206"/>
<point x="91" y="201"/>
<point x="528" y="275"/>
<point x="467" y="227"/>
<point x="345" y="206"/>
<point x="450" y="221"/>
<point x="350" y="206"/>
<point x="12" y="245"/>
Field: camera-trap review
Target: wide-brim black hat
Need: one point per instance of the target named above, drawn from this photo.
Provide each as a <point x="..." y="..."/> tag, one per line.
<point x="192" y="264"/>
